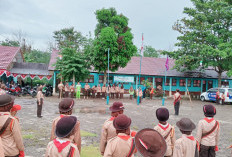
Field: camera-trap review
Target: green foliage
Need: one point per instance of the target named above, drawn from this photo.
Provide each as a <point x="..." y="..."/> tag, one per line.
<point x="8" y="42"/>
<point x="37" y="56"/>
<point x="147" y="84"/>
<point x="205" y="36"/>
<point x="87" y="134"/>
<point x="149" y="51"/>
<point x="69" y="38"/>
<point x="111" y="32"/>
<point x="90" y="151"/>
<point x="72" y="65"/>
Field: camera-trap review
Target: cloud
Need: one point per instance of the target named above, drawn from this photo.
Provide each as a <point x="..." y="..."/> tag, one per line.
<point x="40" y="18"/>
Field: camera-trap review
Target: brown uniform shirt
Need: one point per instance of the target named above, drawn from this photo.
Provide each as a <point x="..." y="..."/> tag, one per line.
<point x="112" y="89"/>
<point x="119" y="146"/>
<point x="60" y="86"/>
<point x="170" y="140"/>
<point x="103" y="89"/>
<point x="52" y="150"/>
<point x="108" y="132"/>
<point x="76" y="138"/>
<point x="121" y="90"/>
<point x="12" y="140"/>
<point x="98" y="89"/>
<point x="116" y="89"/>
<point x="1" y="149"/>
<point x="39" y="96"/>
<point x="185" y="147"/>
<point x="205" y="126"/>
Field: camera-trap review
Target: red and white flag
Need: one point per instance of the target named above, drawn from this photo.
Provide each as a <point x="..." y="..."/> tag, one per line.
<point x="142" y="46"/>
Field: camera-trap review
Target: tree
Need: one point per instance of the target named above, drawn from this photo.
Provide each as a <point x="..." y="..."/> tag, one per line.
<point x="69" y="38"/>
<point x="205" y="37"/>
<point x="111" y="32"/>
<point x="72" y="65"/>
<point x="8" y="42"/>
<point x="37" y="56"/>
<point x="72" y="46"/>
<point x="149" y="51"/>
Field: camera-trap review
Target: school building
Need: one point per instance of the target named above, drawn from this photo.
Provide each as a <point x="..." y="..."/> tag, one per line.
<point x="153" y="70"/>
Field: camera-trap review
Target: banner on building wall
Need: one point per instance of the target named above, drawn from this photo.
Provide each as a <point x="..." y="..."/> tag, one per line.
<point x="2" y="72"/>
<point x="41" y="77"/>
<point x="49" y="77"/>
<point x="23" y="76"/>
<point x="129" y="79"/>
<point x="15" y="75"/>
<point x="32" y="76"/>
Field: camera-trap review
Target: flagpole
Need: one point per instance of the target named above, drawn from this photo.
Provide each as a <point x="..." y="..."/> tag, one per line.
<point x="166" y="66"/>
<point x="140" y="70"/>
<point x="108" y="98"/>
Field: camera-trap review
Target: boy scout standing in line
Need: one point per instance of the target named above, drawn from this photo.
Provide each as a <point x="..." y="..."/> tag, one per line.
<point x="98" y="91"/>
<point x="40" y="100"/>
<point x="62" y="145"/>
<point x="103" y="91"/>
<point x="165" y="129"/>
<point x="120" y="145"/>
<point x="208" y="132"/>
<point x="61" y="87"/>
<point x="177" y="98"/>
<point x="65" y="108"/>
<point x="108" y="130"/>
<point x="87" y="87"/>
<point x="186" y="146"/>
<point x="10" y="131"/>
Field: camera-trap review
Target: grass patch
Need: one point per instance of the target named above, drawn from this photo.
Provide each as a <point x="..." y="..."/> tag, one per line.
<point x="28" y="136"/>
<point x="90" y="151"/>
<point x="87" y="134"/>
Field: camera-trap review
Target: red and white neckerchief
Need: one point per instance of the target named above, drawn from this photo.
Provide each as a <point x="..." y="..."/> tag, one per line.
<point x="124" y="137"/>
<point x="209" y="120"/>
<point x="112" y="118"/>
<point x="60" y="145"/>
<point x="164" y="127"/>
<point x="143" y="144"/>
<point x="4" y="114"/>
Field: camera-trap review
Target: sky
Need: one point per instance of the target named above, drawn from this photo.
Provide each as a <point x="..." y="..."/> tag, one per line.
<point x="38" y="19"/>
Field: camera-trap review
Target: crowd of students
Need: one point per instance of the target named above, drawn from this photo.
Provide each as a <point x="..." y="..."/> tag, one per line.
<point x="117" y="139"/>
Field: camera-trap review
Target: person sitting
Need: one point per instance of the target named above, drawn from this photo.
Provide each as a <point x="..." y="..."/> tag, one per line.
<point x="62" y="145"/>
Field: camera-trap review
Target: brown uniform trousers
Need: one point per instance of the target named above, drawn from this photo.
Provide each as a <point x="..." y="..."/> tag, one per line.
<point x="184" y="147"/>
<point x="103" y="92"/>
<point x="12" y="140"/>
<point x="52" y="150"/>
<point x="121" y="93"/>
<point x="209" y="142"/>
<point x="117" y="92"/>
<point x="108" y="132"/>
<point x="119" y="146"/>
<point x="1" y="149"/>
<point x="112" y="91"/>
<point x="170" y="140"/>
<point x="60" y="86"/>
<point x="76" y="138"/>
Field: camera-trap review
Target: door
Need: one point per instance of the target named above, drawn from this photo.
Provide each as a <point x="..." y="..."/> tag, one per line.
<point x="204" y="86"/>
<point x="210" y="84"/>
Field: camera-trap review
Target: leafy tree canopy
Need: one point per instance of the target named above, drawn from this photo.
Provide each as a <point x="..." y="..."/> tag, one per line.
<point x="8" y="42"/>
<point x="37" y="56"/>
<point x="149" y="51"/>
<point x="205" y="36"/>
<point x="111" y="32"/>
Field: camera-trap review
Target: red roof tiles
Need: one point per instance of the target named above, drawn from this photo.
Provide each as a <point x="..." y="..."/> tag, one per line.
<point x="7" y="54"/>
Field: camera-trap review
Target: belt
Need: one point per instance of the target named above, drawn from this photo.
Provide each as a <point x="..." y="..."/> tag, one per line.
<point x="12" y="156"/>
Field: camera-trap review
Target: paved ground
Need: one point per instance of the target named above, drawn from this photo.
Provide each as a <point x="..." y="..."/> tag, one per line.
<point x="36" y="131"/>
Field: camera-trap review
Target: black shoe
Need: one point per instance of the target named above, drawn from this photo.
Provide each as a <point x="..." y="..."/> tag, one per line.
<point x="39" y="116"/>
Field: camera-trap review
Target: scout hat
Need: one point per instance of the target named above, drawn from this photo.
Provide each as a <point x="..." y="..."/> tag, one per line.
<point x="162" y="114"/>
<point x="209" y="110"/>
<point x="66" y="104"/>
<point x="65" y="126"/>
<point x="185" y="124"/>
<point x="150" y="143"/>
<point x="16" y="108"/>
<point x="117" y="106"/>
<point x="5" y="100"/>
<point x="122" y="122"/>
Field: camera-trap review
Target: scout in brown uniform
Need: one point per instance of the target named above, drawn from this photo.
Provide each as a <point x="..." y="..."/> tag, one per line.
<point x="150" y="143"/>
<point x="120" y="145"/>
<point x="66" y="89"/>
<point x="40" y="100"/>
<point x="108" y="130"/>
<point x="117" y="91"/>
<point x="72" y="90"/>
<point x="65" y="108"/>
<point x="121" y="91"/>
<point x="62" y="146"/>
<point x="94" y="89"/>
<point x="186" y="146"/>
<point x="61" y="87"/>
<point x="208" y="132"/>
<point x="112" y="91"/>
<point x="217" y="96"/>
<point x="1" y="149"/>
<point x="177" y="98"/>
<point x="10" y="131"/>
<point x="98" y="91"/>
<point x="223" y="97"/>
<point x="104" y="91"/>
<point x="87" y="87"/>
<point x="165" y="129"/>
